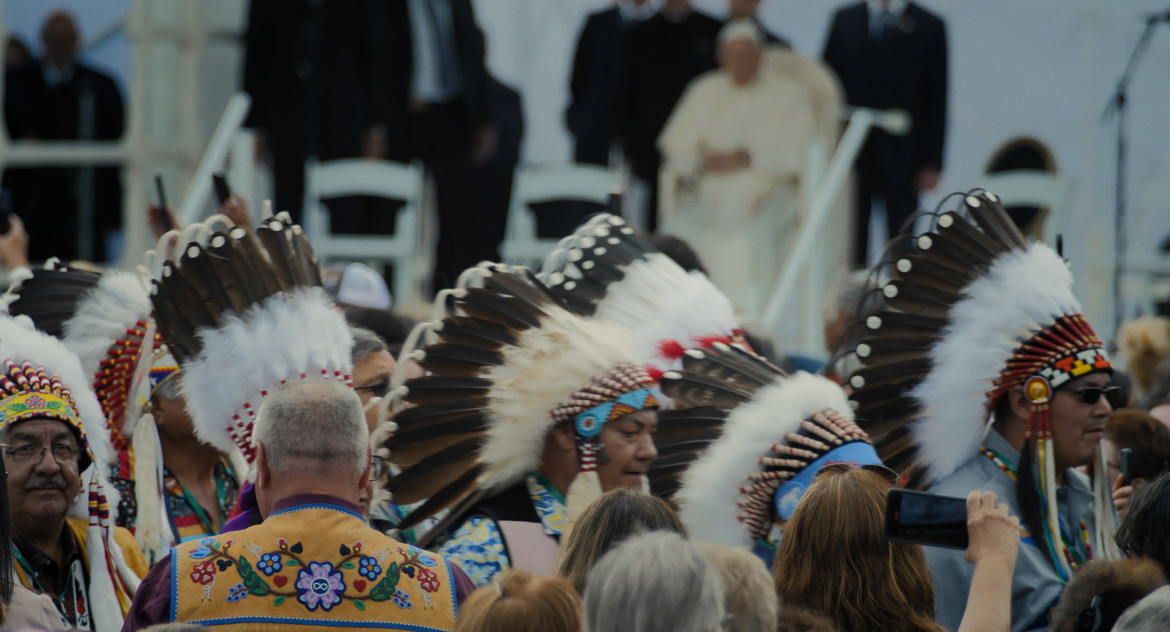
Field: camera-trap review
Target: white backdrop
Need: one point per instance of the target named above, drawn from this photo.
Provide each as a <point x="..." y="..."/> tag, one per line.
<point x="1042" y="68"/>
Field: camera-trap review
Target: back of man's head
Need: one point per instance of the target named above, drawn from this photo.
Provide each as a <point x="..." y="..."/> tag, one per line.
<point x="313" y="428"/>
<point x="653" y="582"/>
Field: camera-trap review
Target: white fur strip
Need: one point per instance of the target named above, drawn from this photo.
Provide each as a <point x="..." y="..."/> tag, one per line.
<point x="1023" y="291"/>
<point x="276" y="340"/>
<point x="535" y="378"/>
<point x="103" y="315"/>
<point x="710" y="488"/>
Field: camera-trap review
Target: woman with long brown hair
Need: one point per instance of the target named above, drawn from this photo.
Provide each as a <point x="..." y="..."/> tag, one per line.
<point x="835" y="560"/>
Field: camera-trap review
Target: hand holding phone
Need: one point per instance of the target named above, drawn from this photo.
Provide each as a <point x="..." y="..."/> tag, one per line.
<point x="1126" y="456"/>
<point x="992" y="531"/>
<point x="164" y="216"/>
<point x="922" y="518"/>
<point x="223" y="192"/>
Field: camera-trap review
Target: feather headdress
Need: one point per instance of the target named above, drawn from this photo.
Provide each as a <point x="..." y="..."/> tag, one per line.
<point x="508" y="362"/>
<point x="972" y="312"/>
<point x="605" y="270"/>
<point x="747" y="441"/>
<point x="40" y="378"/>
<point x="243" y="313"/>
<point x="49" y="294"/>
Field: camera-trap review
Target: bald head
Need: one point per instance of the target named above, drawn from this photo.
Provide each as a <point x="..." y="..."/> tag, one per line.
<point x="59" y="35"/>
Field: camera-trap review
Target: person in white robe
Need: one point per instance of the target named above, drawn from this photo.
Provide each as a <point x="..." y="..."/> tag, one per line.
<point x="736" y="155"/>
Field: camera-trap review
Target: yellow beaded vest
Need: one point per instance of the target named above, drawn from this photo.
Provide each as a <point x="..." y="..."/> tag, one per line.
<point x="311" y="566"/>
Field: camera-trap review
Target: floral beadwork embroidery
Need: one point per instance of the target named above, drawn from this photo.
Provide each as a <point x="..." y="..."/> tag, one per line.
<point x="478" y="548"/>
<point x="549" y="505"/>
<point x="318" y="584"/>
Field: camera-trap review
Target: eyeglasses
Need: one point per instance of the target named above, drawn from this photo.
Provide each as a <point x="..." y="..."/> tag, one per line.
<point x="64" y="454"/>
<point x="377" y="467"/>
<point x="378" y="389"/>
<point x="880" y="470"/>
<point x="1092" y="394"/>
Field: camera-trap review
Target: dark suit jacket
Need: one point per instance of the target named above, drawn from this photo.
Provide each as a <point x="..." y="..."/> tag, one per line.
<point x="598" y="68"/>
<point x="398" y="62"/>
<point x="911" y="75"/>
<point x="662" y="58"/>
<point x="311" y="73"/>
<point x="47" y="198"/>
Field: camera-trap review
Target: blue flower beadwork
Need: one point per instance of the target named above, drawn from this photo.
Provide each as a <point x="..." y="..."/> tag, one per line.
<point x="270" y="563"/>
<point x="369" y="568"/>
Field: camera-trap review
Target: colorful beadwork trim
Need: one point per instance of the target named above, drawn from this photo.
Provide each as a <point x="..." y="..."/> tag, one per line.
<point x="1065" y="350"/>
<point x="589" y="423"/>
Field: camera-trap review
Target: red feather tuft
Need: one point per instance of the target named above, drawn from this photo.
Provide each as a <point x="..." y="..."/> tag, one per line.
<point x="706" y="342"/>
<point x="671" y="349"/>
<point x="654" y="372"/>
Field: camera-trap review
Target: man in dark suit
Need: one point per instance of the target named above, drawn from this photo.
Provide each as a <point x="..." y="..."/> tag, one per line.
<point x="893" y="54"/>
<point x="598" y="68"/>
<point x="309" y="66"/>
<point x="664" y="54"/>
<point x="68" y="212"/>
<point x="440" y="113"/>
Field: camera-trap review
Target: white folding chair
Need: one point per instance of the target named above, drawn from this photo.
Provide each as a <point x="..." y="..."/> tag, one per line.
<point x="377" y="178"/>
<point x="548" y="183"/>
<point x="1027" y="187"/>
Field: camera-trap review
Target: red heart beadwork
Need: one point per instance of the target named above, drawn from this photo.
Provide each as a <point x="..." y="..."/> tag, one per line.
<point x="280" y="580"/>
<point x="359" y="585"/>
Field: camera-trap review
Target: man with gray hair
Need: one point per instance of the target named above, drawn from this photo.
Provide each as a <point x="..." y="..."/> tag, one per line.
<point x="313" y="561"/>
<point x="654" y="582"/>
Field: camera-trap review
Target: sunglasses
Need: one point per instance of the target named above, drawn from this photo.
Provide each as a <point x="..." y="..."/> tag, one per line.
<point x="377" y="389"/>
<point x="1092" y="394"/>
<point x="880" y="470"/>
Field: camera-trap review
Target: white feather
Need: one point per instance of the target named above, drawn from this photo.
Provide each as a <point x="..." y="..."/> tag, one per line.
<point x="535" y="378"/>
<point x="659" y="301"/>
<point x="277" y="340"/>
<point x="103" y="315"/>
<point x="1022" y="292"/>
<point x="710" y="487"/>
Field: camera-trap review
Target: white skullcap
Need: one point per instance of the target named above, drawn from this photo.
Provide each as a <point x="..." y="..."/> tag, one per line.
<point x="739" y="30"/>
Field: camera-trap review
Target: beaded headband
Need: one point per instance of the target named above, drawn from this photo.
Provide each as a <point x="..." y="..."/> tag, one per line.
<point x="30" y="393"/>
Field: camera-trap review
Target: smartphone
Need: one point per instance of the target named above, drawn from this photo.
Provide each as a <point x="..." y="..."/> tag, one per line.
<point x="163" y="215"/>
<point x="5" y="211"/>
<point x="928" y="519"/>
<point x="222" y="191"/>
<point x="1124" y="466"/>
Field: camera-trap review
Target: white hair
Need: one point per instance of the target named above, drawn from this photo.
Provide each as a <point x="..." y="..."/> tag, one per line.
<point x="313" y="427"/>
<point x="653" y="582"/>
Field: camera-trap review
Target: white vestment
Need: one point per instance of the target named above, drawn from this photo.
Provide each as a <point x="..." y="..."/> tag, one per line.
<point x="742" y="223"/>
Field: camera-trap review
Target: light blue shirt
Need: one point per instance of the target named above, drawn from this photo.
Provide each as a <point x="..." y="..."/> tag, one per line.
<point x="1036" y="585"/>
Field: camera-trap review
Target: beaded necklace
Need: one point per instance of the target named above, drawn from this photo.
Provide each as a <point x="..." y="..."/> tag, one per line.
<point x="1069" y="554"/>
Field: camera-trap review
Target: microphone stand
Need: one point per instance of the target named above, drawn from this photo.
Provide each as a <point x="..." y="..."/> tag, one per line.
<point x="1117" y="108"/>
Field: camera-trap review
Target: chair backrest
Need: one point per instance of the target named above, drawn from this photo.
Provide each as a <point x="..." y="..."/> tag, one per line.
<point x="1028" y="187"/>
<point x="548" y="183"/>
<point x="375" y="178"/>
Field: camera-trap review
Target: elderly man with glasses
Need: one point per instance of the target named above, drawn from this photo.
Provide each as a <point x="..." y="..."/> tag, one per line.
<point x="51" y="429"/>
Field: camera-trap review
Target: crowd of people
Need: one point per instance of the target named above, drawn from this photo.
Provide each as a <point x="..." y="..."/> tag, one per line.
<point x="236" y="436"/>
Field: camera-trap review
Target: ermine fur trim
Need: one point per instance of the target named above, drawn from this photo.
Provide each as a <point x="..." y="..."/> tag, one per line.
<point x="710" y="488"/>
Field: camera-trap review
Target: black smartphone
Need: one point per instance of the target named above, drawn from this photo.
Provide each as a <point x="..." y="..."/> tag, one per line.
<point x="5" y="211"/>
<point x="1124" y="466"/>
<point x="928" y="519"/>
<point x="222" y="191"/>
<point x="163" y="215"/>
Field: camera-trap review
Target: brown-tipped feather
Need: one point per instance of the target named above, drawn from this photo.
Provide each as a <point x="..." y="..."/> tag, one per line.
<point x="433" y="473"/>
<point x="698" y="391"/>
<point x="437" y="389"/>
<point x="462" y="491"/>
<point x="995" y="221"/>
<point x="503" y="310"/>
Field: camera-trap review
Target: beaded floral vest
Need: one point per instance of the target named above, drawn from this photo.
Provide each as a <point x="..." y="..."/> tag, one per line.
<point x="313" y="565"/>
